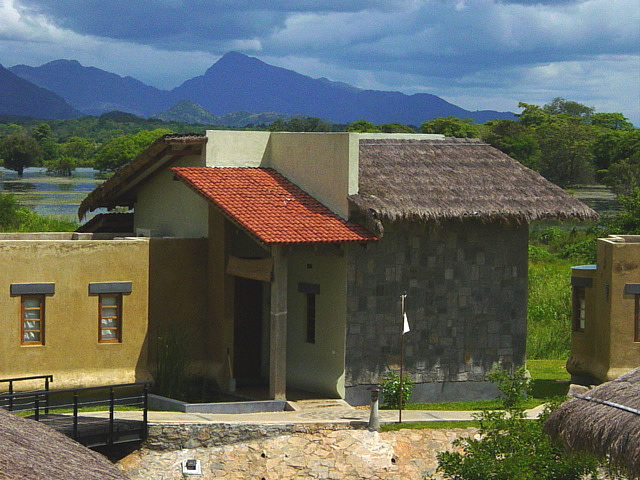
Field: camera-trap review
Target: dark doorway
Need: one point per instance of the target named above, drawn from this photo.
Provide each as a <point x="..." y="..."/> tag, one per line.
<point x="247" y="331"/>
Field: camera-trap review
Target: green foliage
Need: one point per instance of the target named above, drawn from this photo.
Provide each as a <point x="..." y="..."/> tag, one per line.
<point x="451" y="127"/>
<point x="562" y="106"/>
<point x="627" y="221"/>
<point x="396" y="128"/>
<point x="362" y="126"/>
<point x="566" y="155"/>
<point x="515" y="139"/>
<point x="121" y="150"/>
<point x="62" y="165"/>
<point x="513" y="385"/>
<point x="390" y="389"/>
<point x="19" y="152"/>
<point x="549" y="309"/>
<point x="300" y="124"/>
<point x="14" y="218"/>
<point x="511" y="447"/>
<point x="171" y="366"/>
<point x="611" y="121"/>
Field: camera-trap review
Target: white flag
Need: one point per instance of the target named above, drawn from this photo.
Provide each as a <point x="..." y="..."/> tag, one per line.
<point x="406" y="328"/>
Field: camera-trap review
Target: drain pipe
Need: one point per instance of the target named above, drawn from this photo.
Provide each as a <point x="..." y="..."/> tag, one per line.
<point x="374" y="418"/>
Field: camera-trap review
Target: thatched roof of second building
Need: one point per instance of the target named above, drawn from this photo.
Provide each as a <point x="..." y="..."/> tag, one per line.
<point x="603" y="421"/>
<point x="455" y="178"/>
<point x="32" y="450"/>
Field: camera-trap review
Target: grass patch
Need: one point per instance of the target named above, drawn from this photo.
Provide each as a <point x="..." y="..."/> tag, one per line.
<point x="549" y="380"/>
<point x="392" y="427"/>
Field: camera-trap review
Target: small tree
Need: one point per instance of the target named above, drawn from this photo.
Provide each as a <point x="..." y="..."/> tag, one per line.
<point x="512" y="447"/>
<point x="390" y="386"/>
<point x="451" y="127"/>
<point x="19" y="152"/>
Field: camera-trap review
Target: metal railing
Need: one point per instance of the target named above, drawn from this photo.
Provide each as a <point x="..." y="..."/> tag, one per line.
<point x="47" y="380"/>
<point x="80" y="412"/>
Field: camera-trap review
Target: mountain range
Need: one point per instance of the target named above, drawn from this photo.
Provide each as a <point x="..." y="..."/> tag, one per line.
<point x="234" y="83"/>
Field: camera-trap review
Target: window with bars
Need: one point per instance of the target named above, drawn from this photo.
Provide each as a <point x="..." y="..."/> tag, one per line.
<point x="579" y="309"/>
<point x="636" y="318"/>
<point x="110" y="318"/>
<point x="32" y="320"/>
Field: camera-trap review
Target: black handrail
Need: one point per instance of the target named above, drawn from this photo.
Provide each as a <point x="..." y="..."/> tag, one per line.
<point x="112" y="400"/>
<point x="47" y="379"/>
<point x="81" y="389"/>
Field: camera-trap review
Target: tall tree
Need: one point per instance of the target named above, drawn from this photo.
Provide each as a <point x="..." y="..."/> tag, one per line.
<point x="562" y="106"/>
<point x="566" y="152"/>
<point x="515" y="139"/>
<point x="121" y="150"/>
<point x="19" y="152"/>
<point x="451" y="127"/>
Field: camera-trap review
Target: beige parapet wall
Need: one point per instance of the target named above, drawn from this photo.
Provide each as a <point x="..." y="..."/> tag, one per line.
<point x="71" y="351"/>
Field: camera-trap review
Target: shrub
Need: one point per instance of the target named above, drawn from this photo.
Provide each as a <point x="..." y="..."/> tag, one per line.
<point x="512" y="384"/>
<point x="510" y="446"/>
<point x="391" y="389"/>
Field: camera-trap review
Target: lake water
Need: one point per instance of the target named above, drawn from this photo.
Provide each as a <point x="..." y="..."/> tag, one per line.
<point x="50" y="195"/>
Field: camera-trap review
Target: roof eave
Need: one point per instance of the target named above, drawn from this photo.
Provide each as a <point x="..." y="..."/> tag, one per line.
<point x="112" y="192"/>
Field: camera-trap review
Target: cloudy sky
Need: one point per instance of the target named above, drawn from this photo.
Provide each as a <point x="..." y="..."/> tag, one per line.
<point x="478" y="54"/>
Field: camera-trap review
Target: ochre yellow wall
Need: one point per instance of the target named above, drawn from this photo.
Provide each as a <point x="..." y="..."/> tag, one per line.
<point x="606" y="349"/>
<point x="178" y="290"/>
<point x="71" y="351"/>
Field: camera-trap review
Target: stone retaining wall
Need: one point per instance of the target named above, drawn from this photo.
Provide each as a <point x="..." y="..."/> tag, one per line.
<point x="188" y="436"/>
<point x="299" y="451"/>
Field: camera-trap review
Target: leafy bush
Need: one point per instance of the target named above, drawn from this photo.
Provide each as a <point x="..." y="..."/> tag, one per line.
<point x="14" y="218"/>
<point x="510" y="446"/>
<point x="391" y="389"/>
<point x="512" y="384"/>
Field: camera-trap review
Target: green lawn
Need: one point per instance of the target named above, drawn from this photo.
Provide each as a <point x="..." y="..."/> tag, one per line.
<point x="549" y="380"/>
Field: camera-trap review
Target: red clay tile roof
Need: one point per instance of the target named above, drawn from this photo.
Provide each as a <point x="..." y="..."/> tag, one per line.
<point x="270" y="207"/>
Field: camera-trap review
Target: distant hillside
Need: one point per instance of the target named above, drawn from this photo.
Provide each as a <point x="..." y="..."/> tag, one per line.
<point x="190" y="112"/>
<point x="238" y="83"/>
<point x="22" y="98"/>
<point x="94" y="91"/>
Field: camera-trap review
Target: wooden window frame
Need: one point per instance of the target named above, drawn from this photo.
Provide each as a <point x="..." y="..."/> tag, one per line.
<point x="118" y="317"/>
<point x="311" y="317"/>
<point x="579" y="322"/>
<point x="636" y="319"/>
<point x="41" y="318"/>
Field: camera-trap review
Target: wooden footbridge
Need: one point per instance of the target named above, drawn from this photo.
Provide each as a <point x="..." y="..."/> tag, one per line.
<point x="94" y="416"/>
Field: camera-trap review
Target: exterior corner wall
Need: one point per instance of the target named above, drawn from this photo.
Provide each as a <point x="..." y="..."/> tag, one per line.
<point x="178" y="308"/>
<point x="317" y="367"/>
<point x="321" y="164"/>
<point x="625" y="269"/>
<point x="71" y="351"/>
<point x="606" y="349"/>
<point x="168" y="208"/>
<point x="589" y="358"/>
<point x="220" y="298"/>
<point x="228" y="148"/>
<point x="467" y="305"/>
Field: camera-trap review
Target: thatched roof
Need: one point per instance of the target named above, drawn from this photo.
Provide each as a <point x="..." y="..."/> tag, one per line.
<point x="117" y="191"/>
<point x="34" y="451"/>
<point x="455" y="178"/>
<point x="603" y="421"/>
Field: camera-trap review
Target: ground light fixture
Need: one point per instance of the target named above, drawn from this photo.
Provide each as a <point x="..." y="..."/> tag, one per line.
<point x="191" y="467"/>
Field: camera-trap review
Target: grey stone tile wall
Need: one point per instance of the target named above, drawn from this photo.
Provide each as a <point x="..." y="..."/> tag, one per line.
<point x="466" y="285"/>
